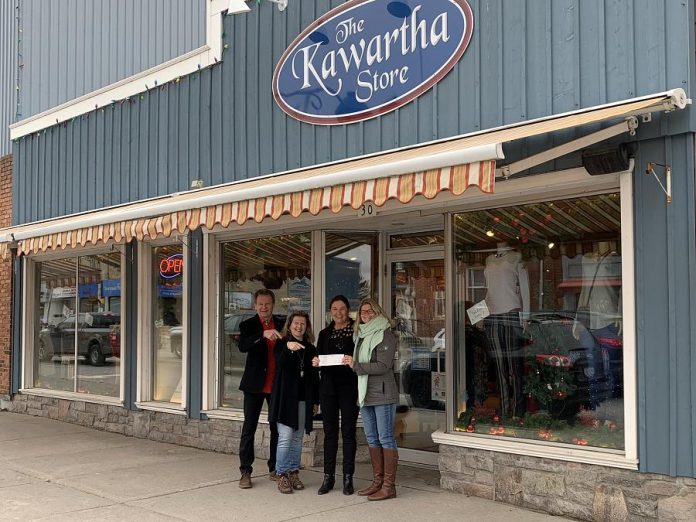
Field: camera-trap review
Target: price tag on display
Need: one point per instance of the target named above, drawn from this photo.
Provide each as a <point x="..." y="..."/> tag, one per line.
<point x="438" y="385"/>
<point x="478" y="312"/>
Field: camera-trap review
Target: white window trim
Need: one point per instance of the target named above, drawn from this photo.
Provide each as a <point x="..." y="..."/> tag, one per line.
<point x="628" y="458"/>
<point x="145" y="376"/>
<point x="72" y="396"/>
<point x="211" y="299"/>
<point x="162" y="407"/>
<point x="540" y="449"/>
<point x="26" y="385"/>
<point x="188" y="63"/>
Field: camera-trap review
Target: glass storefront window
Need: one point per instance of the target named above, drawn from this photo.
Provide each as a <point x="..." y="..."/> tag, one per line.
<point x="78" y="332"/>
<point x="538" y="339"/>
<point x="351" y="268"/>
<point x="279" y="263"/>
<point x="167" y="314"/>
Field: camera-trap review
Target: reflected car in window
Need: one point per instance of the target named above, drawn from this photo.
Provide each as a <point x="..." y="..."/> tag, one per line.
<point x="559" y="340"/>
<point x="553" y="340"/>
<point x="418" y="360"/>
<point x="93" y="337"/>
<point x="234" y="359"/>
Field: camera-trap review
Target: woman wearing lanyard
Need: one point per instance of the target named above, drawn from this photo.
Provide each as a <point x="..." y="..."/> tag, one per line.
<point x="373" y="362"/>
<point x="293" y="398"/>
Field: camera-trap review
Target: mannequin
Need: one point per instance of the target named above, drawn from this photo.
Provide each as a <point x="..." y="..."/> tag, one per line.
<point x="600" y="311"/>
<point x="507" y="281"/>
<point x="508" y="301"/>
<point x="601" y="299"/>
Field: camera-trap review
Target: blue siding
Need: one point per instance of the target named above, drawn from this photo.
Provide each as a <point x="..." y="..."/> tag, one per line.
<point x="9" y="47"/>
<point x="221" y="124"/>
<point x="74" y="47"/>
<point x="666" y="309"/>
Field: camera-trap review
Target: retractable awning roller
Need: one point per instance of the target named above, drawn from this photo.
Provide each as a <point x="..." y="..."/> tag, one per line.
<point x="453" y="165"/>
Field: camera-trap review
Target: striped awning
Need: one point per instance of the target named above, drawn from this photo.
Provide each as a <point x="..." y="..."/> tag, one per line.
<point x="450" y="165"/>
<point x="402" y="188"/>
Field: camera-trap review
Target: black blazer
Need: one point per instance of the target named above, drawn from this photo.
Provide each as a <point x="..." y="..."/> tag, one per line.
<point x="285" y="396"/>
<point x="253" y="343"/>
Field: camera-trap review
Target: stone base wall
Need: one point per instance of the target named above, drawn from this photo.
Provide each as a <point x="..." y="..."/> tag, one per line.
<point x="581" y="491"/>
<point x="220" y="435"/>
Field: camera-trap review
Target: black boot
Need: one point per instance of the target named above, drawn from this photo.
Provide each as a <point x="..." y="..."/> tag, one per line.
<point x="348" y="485"/>
<point x="327" y="485"/>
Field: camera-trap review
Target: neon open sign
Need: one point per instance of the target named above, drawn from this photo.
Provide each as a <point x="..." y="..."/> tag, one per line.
<point x="369" y="57"/>
<point x="172" y="266"/>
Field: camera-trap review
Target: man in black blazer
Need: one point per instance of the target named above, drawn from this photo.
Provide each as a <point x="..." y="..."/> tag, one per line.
<point x="257" y="338"/>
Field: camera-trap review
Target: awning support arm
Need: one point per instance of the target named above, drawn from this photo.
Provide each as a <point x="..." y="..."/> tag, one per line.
<point x="668" y="178"/>
<point x="180" y="238"/>
<point x="629" y="125"/>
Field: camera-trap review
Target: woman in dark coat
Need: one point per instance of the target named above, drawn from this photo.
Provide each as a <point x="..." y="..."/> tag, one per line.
<point x="295" y="393"/>
<point x="338" y="393"/>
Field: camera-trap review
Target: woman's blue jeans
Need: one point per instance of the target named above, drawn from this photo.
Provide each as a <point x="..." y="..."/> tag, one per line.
<point x="289" y="451"/>
<point x="378" y="423"/>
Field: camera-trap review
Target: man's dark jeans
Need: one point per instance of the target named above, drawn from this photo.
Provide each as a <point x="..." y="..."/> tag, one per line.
<point x="253" y="402"/>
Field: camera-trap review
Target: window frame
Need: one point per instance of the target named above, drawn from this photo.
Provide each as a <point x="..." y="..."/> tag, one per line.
<point x="627" y="458"/>
<point x="30" y="299"/>
<point x="212" y="279"/>
<point x="145" y="365"/>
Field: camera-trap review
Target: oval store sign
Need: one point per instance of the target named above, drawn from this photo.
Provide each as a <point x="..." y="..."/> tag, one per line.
<point x="369" y="57"/>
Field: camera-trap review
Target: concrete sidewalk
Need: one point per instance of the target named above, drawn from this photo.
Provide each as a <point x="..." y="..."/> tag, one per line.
<point x="50" y="470"/>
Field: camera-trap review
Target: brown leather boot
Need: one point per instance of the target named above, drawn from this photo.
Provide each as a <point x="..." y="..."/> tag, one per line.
<point x="377" y="458"/>
<point x="388" y="490"/>
<point x="245" y="481"/>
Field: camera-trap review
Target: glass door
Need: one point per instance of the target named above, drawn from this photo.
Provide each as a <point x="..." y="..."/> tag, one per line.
<point x="417" y="294"/>
<point x="351" y="268"/>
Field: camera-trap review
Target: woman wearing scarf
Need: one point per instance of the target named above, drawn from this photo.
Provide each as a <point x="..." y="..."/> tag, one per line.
<point x="373" y="362"/>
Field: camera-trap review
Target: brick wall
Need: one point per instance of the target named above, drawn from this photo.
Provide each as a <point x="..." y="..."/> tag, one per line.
<point x="5" y="276"/>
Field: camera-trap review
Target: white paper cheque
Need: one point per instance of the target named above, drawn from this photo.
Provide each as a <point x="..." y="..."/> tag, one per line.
<point x="333" y="359"/>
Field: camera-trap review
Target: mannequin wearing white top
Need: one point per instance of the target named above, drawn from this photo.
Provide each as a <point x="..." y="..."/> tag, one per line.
<point x="508" y="294"/>
<point x="507" y="281"/>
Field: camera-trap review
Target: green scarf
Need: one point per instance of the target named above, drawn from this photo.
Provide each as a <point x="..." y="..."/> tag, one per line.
<point x="369" y="335"/>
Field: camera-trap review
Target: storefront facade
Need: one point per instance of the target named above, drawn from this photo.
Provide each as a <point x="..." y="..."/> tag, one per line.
<point x="529" y="296"/>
